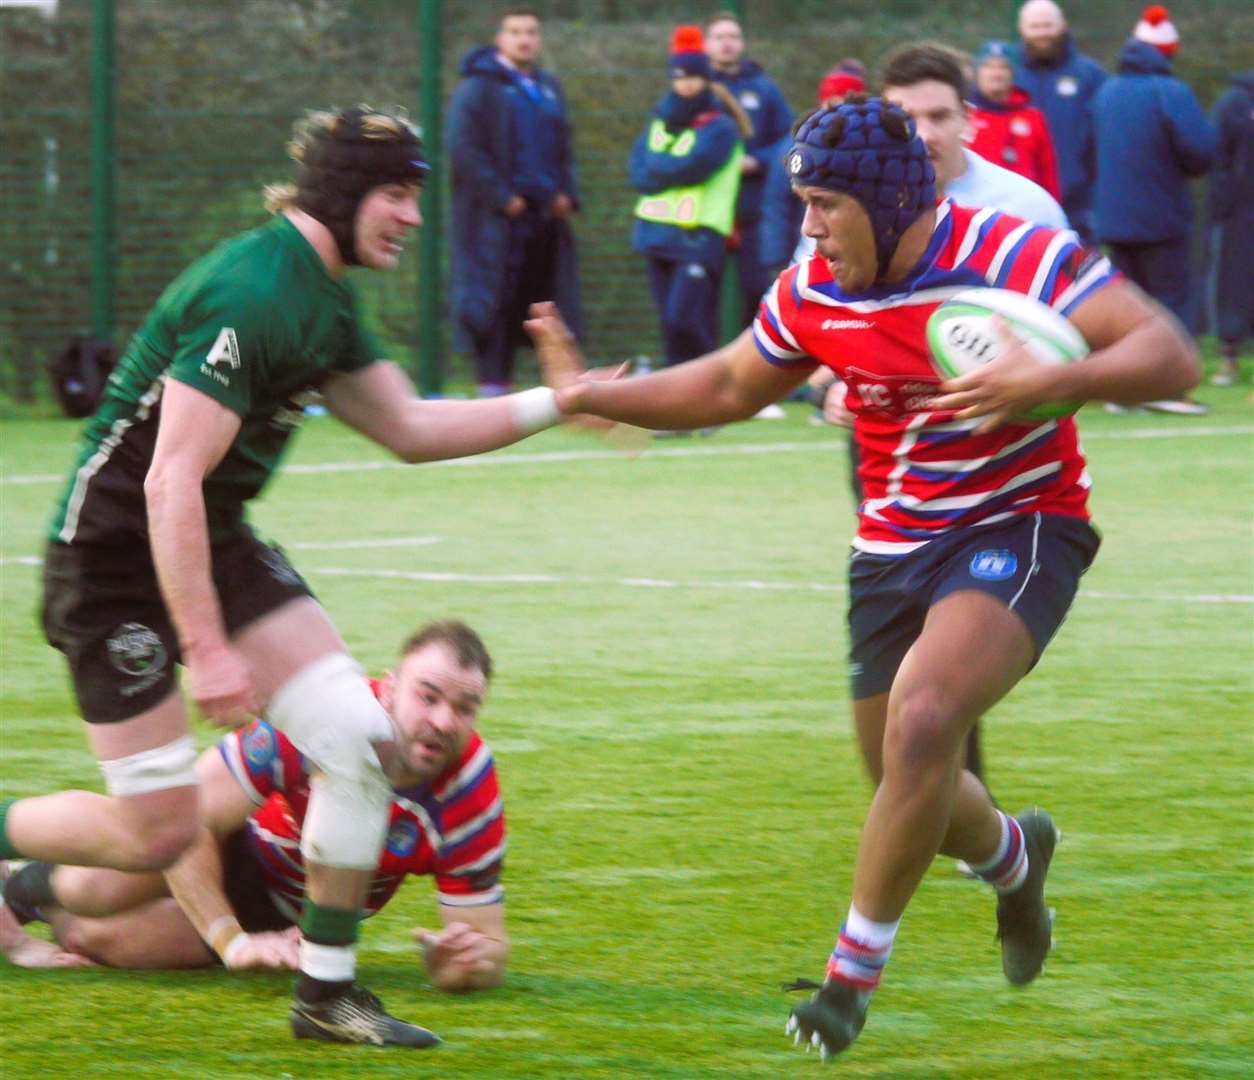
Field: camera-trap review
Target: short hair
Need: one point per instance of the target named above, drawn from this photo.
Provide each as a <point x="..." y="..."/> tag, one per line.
<point x="920" y="61"/>
<point x="461" y="641"/>
<point x="723" y="16"/>
<point x="518" y="13"/>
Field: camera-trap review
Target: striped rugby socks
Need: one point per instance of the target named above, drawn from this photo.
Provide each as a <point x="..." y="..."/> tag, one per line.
<point x="1008" y="867"/>
<point x="861" y="951"/>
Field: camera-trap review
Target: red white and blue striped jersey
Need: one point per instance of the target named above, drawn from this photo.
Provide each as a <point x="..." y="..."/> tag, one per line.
<point x="923" y="472"/>
<point x="452" y="828"/>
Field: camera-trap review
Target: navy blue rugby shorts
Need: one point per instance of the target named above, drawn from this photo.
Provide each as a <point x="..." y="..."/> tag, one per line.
<point x="1031" y="563"/>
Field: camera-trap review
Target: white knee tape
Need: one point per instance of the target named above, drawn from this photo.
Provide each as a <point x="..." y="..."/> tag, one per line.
<point x="169" y="766"/>
<point x="346" y="822"/>
<point x="330" y="714"/>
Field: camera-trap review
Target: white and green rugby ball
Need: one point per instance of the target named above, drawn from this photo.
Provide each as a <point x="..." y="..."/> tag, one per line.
<point x="962" y="337"/>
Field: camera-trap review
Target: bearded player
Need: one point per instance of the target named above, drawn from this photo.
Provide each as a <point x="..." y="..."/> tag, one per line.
<point x="237" y="893"/>
<point x="974" y="529"/>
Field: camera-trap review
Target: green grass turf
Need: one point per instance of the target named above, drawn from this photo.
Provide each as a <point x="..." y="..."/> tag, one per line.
<point x="683" y="795"/>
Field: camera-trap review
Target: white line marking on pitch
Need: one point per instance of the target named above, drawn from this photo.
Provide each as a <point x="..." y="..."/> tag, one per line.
<point x="447" y="577"/>
<point x="355" y="545"/>
<point x="450" y="577"/>
<point x="546" y="457"/>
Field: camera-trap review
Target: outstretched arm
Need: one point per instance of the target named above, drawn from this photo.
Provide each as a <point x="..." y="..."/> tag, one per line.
<point x="732" y="383"/>
<point x="381" y="403"/>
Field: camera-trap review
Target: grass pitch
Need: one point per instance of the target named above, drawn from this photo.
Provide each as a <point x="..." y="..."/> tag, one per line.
<point x="682" y="790"/>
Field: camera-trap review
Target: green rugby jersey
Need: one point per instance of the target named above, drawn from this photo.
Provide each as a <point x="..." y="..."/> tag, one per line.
<point x="257" y="324"/>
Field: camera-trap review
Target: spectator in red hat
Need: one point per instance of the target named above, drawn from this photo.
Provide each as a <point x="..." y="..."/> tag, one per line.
<point x="1157" y="29"/>
<point x="1004" y="126"/>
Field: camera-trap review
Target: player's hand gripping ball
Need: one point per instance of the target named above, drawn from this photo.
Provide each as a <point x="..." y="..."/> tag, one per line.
<point x="962" y="336"/>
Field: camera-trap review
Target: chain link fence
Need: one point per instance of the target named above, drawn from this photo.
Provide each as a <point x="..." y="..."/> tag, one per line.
<point x="206" y="93"/>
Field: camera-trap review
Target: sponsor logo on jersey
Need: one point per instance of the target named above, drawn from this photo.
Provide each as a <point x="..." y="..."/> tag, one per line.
<point x="138" y="653"/>
<point x="403" y="837"/>
<point x="1067" y="86"/>
<point x="845" y="324"/>
<point x="996" y="564"/>
<point x="259" y="746"/>
<point x="750" y="100"/>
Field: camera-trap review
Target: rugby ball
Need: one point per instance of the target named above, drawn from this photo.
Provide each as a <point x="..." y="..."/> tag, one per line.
<point x="961" y="336"/>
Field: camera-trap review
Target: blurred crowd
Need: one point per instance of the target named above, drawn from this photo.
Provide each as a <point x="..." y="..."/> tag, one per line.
<point x="1034" y="127"/>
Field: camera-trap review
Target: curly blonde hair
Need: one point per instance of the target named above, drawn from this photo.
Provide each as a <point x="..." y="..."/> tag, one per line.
<point x="376" y="124"/>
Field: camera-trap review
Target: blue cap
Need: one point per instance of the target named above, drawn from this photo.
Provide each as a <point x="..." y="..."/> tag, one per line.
<point x="994" y="50"/>
<point x="868" y="150"/>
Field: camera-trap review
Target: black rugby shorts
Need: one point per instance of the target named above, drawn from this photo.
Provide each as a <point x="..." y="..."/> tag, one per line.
<point x="1032" y="563"/>
<point x="103" y="609"/>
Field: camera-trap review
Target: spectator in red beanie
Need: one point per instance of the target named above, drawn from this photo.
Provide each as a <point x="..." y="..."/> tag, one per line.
<point x="1157" y="29"/>
<point x="847" y="77"/>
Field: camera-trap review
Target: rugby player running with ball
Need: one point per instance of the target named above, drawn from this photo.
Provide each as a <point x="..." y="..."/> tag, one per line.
<point x="974" y="530"/>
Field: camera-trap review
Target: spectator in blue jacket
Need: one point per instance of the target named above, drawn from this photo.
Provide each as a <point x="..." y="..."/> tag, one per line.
<point x="1150" y="136"/>
<point x="782" y="211"/>
<point x="1062" y="82"/>
<point x="767" y="108"/>
<point x="1232" y="210"/>
<point x="513" y="195"/>
<point x="686" y="164"/>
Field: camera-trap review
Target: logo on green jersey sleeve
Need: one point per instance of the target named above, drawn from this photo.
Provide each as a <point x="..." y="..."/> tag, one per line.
<point x="225" y="348"/>
<point x="225" y="351"/>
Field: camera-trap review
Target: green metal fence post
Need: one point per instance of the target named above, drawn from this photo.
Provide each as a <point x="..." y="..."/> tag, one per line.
<point x="430" y="337"/>
<point x="102" y="209"/>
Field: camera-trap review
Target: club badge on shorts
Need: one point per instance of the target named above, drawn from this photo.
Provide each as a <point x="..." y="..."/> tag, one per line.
<point x="996" y="564"/>
<point x="137" y="652"/>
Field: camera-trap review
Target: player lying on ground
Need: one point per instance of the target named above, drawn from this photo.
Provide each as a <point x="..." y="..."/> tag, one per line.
<point x="973" y="532"/>
<point x="151" y="563"/>
<point x="237" y="893"/>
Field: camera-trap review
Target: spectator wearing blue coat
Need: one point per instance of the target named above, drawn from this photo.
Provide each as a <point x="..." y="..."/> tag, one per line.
<point x="771" y="118"/>
<point x="1150" y="136"/>
<point x="513" y="195"/>
<point x="686" y="164"/>
<point x="1232" y="210"/>
<point x="1062" y="83"/>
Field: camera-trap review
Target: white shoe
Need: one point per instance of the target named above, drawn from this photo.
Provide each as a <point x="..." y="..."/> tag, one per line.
<point x="1178" y="408"/>
<point x="770" y="412"/>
